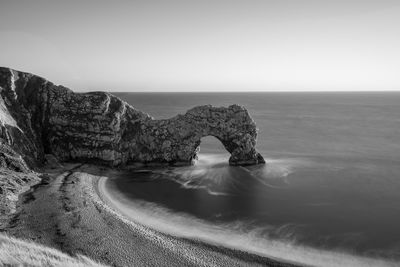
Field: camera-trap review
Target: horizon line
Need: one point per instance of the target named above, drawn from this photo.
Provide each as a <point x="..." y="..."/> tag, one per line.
<point x="257" y="91"/>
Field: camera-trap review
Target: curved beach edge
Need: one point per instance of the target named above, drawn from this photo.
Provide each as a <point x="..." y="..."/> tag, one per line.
<point x="72" y="210"/>
<point x="69" y="211"/>
<point x="223" y="253"/>
<point x="197" y="252"/>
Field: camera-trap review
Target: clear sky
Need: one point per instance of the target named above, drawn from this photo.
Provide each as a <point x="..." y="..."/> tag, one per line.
<point x="206" y="45"/>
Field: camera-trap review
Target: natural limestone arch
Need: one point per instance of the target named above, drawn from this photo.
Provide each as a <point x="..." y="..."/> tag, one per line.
<point x="100" y="127"/>
<point x="177" y="140"/>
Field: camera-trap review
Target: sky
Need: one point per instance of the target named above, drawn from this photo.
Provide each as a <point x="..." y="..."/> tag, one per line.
<point x="217" y="45"/>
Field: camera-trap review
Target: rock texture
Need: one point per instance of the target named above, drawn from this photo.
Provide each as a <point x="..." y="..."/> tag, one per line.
<point x="38" y="118"/>
<point x="12" y="184"/>
<point x="177" y="139"/>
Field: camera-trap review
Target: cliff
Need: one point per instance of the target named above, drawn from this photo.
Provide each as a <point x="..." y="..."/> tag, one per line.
<point x="38" y="118"/>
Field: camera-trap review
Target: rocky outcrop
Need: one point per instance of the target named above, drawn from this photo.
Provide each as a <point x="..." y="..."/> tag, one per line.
<point x="177" y="139"/>
<point x="12" y="184"/>
<point x="41" y="118"/>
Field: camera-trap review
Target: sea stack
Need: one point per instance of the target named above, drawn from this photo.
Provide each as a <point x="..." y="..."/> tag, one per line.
<point x="38" y="118"/>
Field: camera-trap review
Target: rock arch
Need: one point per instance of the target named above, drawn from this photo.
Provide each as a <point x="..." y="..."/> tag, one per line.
<point x="177" y="139"/>
<point x="101" y="127"/>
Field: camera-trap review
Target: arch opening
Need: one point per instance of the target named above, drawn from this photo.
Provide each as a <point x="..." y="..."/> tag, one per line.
<point x="211" y="151"/>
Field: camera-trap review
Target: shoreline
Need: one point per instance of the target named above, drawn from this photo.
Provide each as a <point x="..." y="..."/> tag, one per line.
<point x="98" y="184"/>
<point x="71" y="213"/>
<point x="99" y="187"/>
<point x="297" y="255"/>
<point x="68" y="214"/>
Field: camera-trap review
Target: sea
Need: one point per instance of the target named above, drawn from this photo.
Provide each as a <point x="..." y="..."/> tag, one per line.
<point x="329" y="193"/>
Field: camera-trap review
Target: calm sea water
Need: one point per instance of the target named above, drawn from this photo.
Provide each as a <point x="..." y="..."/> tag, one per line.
<point x="332" y="178"/>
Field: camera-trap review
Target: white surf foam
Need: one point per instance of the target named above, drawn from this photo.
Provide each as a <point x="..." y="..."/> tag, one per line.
<point x="237" y="235"/>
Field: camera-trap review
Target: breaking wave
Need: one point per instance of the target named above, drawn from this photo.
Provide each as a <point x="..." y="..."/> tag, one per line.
<point x="213" y="175"/>
<point x="239" y="235"/>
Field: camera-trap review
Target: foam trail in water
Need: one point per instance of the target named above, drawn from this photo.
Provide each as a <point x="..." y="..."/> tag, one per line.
<point x="213" y="169"/>
<point x="237" y="235"/>
<point x="213" y="174"/>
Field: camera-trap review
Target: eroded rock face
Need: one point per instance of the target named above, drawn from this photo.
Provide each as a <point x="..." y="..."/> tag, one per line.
<point x="39" y="117"/>
<point x="177" y="139"/>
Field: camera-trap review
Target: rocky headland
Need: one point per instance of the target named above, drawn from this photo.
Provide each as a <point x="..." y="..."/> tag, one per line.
<point x="43" y="124"/>
<point x="38" y="118"/>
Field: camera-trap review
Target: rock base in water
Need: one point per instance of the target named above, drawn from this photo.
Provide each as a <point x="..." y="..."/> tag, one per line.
<point x="41" y="118"/>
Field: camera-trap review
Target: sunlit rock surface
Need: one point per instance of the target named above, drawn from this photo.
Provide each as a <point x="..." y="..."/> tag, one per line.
<point x="38" y="118"/>
<point x="177" y="139"/>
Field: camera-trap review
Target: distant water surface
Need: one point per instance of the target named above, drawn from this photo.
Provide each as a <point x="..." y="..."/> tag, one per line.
<point x="332" y="178"/>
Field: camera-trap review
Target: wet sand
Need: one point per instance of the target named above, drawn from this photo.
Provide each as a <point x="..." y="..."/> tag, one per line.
<point x="147" y="202"/>
<point x="71" y="212"/>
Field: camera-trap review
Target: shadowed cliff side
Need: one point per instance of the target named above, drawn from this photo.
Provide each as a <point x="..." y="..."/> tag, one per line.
<point x="40" y="118"/>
